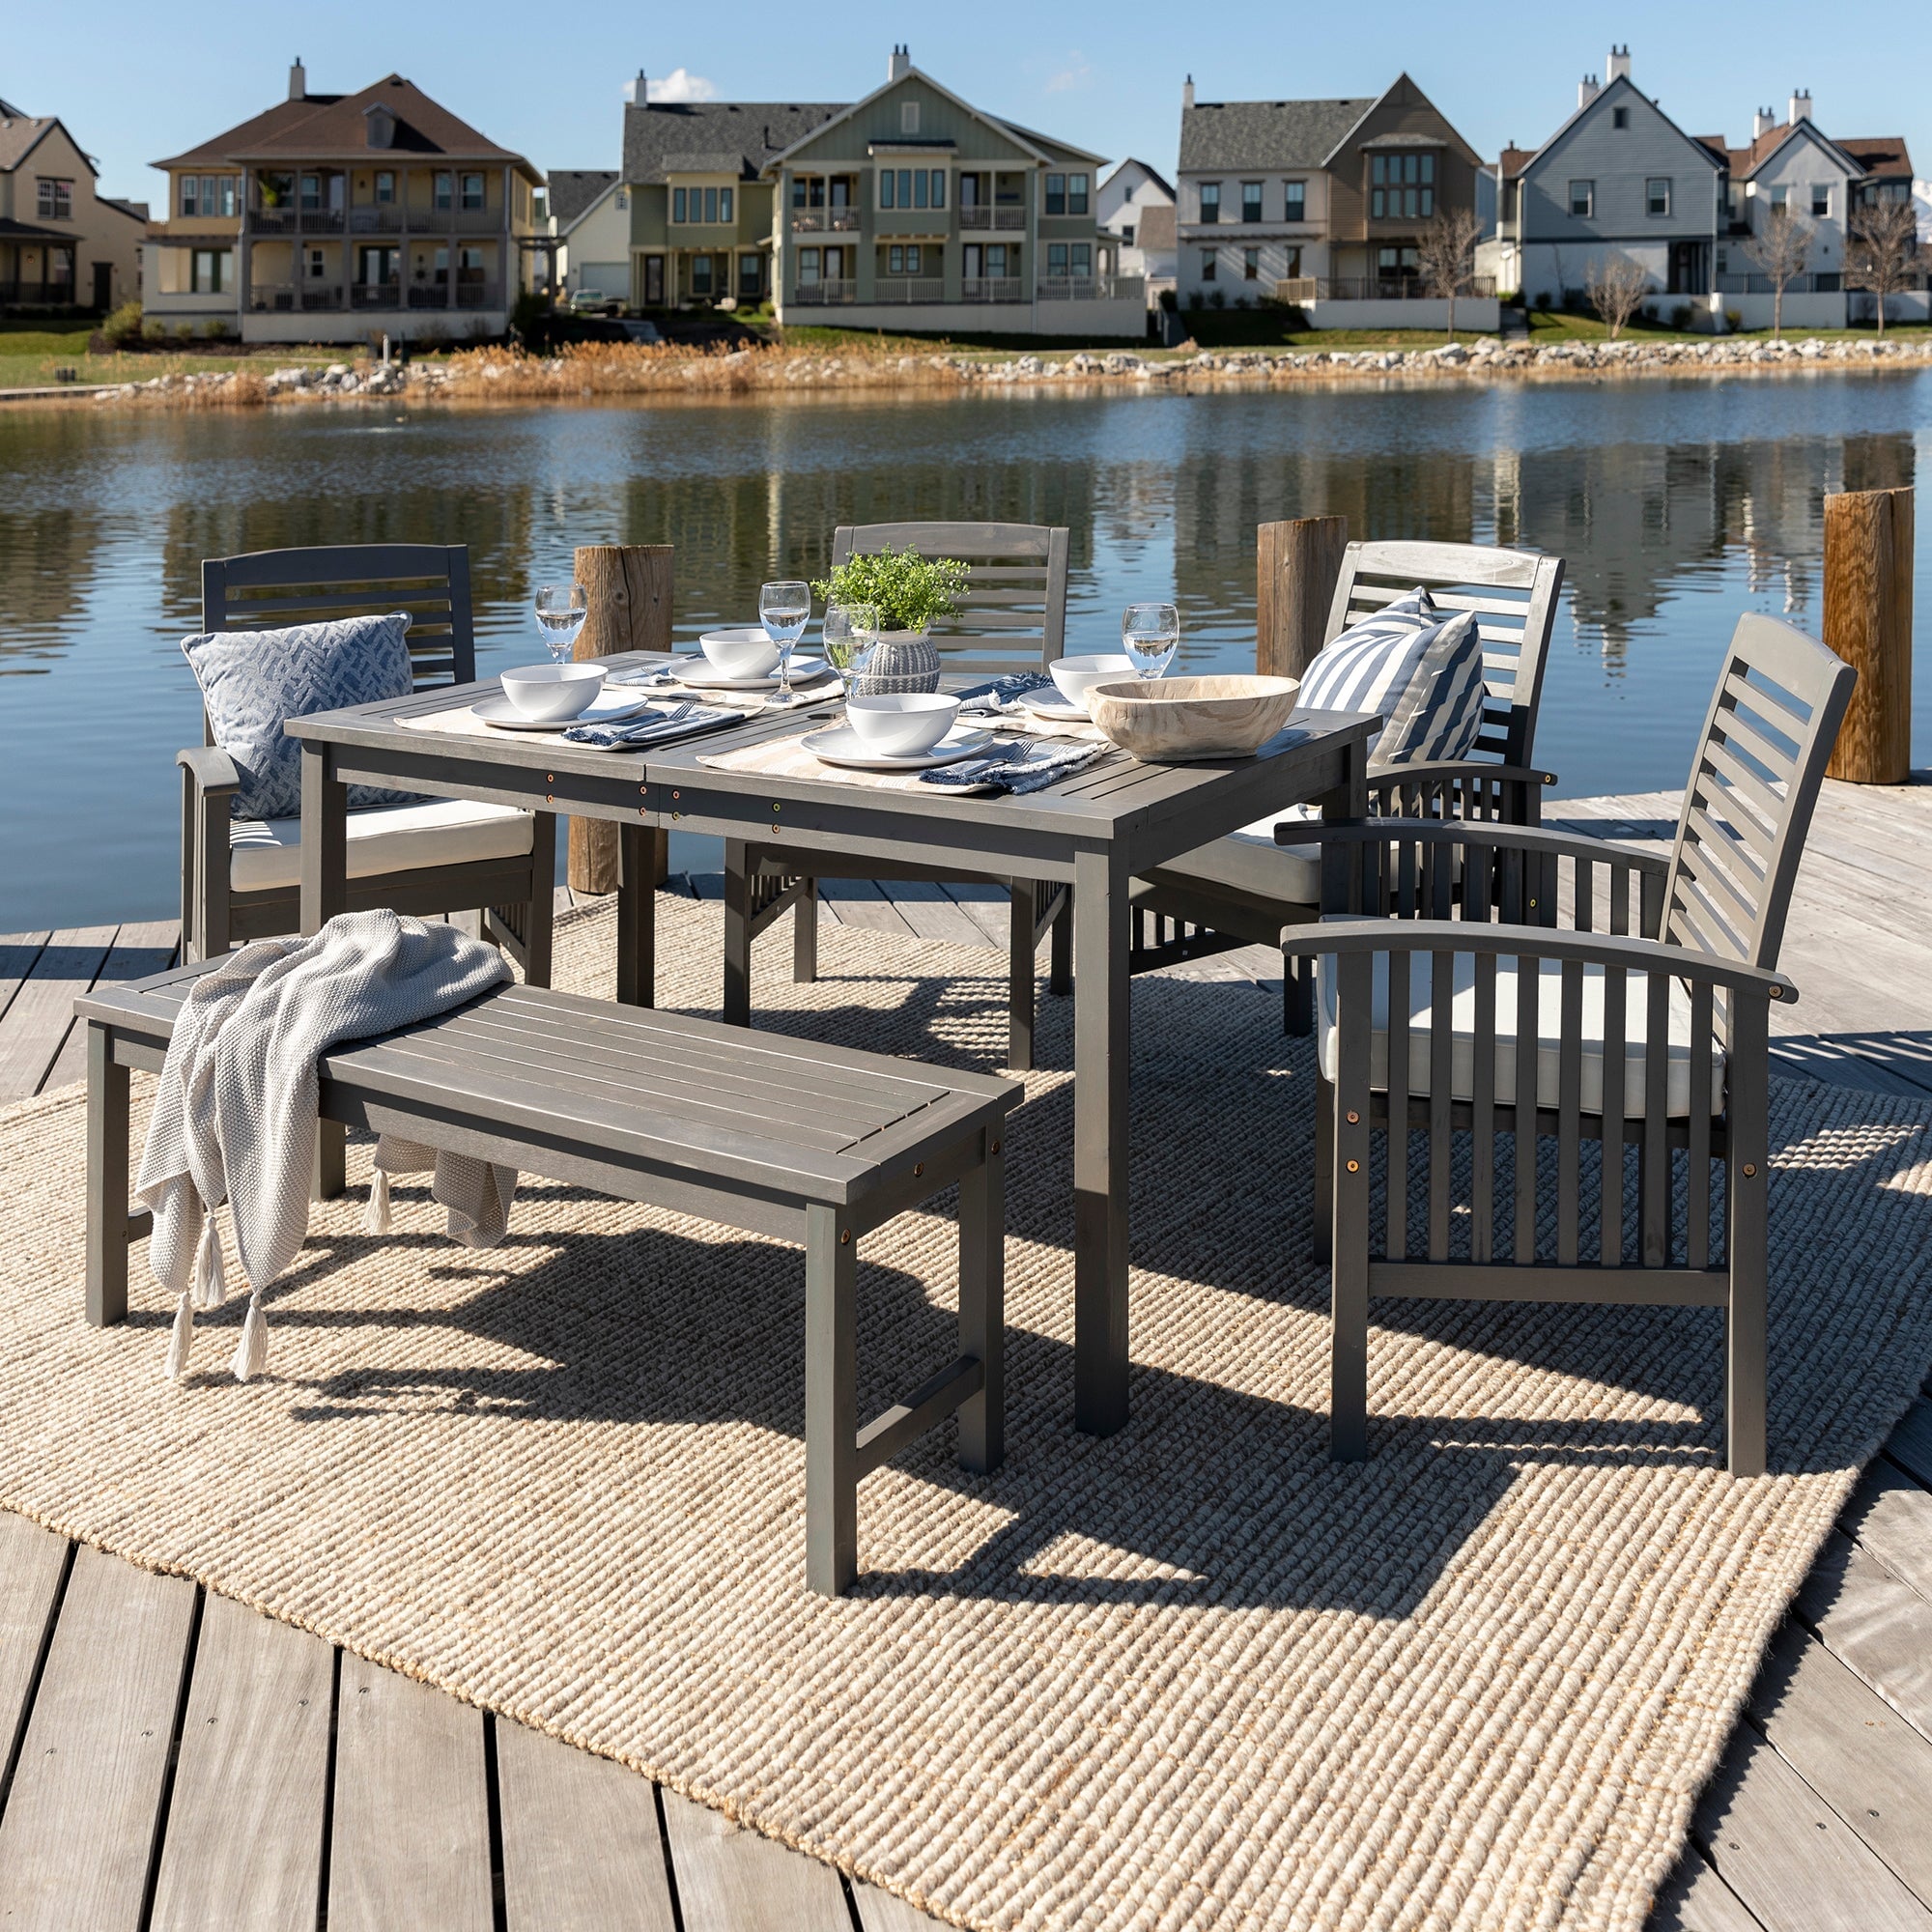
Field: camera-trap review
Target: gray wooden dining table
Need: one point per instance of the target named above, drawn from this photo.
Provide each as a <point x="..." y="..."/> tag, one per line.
<point x="1095" y="830"/>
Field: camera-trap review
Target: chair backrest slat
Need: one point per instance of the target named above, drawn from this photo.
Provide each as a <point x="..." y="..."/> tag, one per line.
<point x="1773" y="718"/>
<point x="1513" y="593"/>
<point x="273" y="589"/>
<point x="1014" y="613"/>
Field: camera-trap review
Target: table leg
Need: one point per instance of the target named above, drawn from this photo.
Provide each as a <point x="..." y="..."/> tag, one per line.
<point x="1100" y="1071"/>
<point x="983" y="1309"/>
<point x="831" y="1403"/>
<point x="637" y="915"/>
<point x="107" y="1163"/>
<point x="737" y="1008"/>
<point x="324" y="893"/>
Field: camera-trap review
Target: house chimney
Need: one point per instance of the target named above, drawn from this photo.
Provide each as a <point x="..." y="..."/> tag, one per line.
<point x="900" y="64"/>
<point x="1587" y="90"/>
<point x="640" y="89"/>
<point x="1800" y="105"/>
<point x="1187" y="93"/>
<point x="1762" y="122"/>
<point x="297" y="81"/>
<point x="1619" y="68"/>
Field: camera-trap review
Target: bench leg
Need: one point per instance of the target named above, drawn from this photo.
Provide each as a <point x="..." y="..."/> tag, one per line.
<point x="637" y="915"/>
<point x="983" y="1292"/>
<point x="737" y="1007"/>
<point x="1023" y="918"/>
<point x="804" y="935"/>
<point x="332" y="1160"/>
<point x="106" y="1180"/>
<point x="831" y="1403"/>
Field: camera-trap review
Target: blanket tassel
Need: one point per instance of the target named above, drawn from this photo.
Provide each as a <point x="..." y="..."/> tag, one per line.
<point x="210" y="1282"/>
<point x="376" y="1219"/>
<point x="251" y="1352"/>
<point x="178" y="1339"/>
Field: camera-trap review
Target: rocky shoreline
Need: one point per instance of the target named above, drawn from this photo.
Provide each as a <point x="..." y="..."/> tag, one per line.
<point x="501" y="373"/>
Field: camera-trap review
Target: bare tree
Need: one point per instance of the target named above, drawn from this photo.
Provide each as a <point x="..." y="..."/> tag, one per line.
<point x="1882" y="251"/>
<point x="1616" y="286"/>
<point x="1445" y="252"/>
<point x="1779" y="252"/>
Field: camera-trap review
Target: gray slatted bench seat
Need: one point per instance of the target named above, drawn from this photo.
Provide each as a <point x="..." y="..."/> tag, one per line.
<point x="812" y="1144"/>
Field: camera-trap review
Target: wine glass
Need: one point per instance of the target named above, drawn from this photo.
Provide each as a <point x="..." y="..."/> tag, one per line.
<point x="1151" y="635"/>
<point x="561" y="610"/>
<point x="783" y="609"/>
<point x="851" y="636"/>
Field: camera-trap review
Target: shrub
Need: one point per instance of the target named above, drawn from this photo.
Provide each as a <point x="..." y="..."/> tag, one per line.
<point x="1680" y="317"/>
<point x="1196" y="299"/>
<point x="154" y="331"/>
<point x="1217" y="299"/>
<point x="1166" y="299"/>
<point x="432" y="339"/>
<point x="909" y="591"/>
<point x="1543" y="301"/>
<point x="213" y="330"/>
<point x="1650" y="311"/>
<point x="528" y="312"/>
<point x="1733" y="320"/>
<point x="123" y="326"/>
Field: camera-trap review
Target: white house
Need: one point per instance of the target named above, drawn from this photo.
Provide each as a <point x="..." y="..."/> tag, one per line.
<point x="590" y="217"/>
<point x="1135" y="206"/>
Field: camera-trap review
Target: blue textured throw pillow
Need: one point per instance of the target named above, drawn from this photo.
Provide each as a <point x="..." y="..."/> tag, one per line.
<point x="251" y="680"/>
<point x="1421" y="668"/>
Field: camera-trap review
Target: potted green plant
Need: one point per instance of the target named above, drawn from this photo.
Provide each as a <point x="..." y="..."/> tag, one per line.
<point x="910" y="593"/>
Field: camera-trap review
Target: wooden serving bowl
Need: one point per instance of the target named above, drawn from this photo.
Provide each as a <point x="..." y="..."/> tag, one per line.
<point x="1172" y="719"/>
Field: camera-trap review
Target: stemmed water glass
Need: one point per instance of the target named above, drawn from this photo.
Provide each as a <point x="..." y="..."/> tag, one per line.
<point x="1151" y="635"/>
<point x="851" y="636"/>
<point x="561" y="610"/>
<point x="785" y="609"/>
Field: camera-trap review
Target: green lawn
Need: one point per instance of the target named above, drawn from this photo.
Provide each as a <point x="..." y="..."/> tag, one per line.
<point x="1549" y="327"/>
<point x="30" y="353"/>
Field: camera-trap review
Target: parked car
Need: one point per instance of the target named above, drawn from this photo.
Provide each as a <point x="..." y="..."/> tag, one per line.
<point x="592" y="301"/>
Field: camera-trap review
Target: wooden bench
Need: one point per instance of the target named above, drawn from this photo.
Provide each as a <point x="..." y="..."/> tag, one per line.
<point x="778" y="1136"/>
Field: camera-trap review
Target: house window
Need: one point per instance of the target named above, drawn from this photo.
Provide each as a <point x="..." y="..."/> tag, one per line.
<point x="1620" y="117"/>
<point x="1292" y="265"/>
<point x="317" y="265"/>
<point x="1402" y="187"/>
<point x="1656" y="195"/>
<point x="56" y="203"/>
<point x="385" y="189"/>
<point x="677" y="203"/>
<point x="808" y="267"/>
<point x="469" y="265"/>
<point x="912" y="188"/>
<point x="902" y="260"/>
<point x="442" y="191"/>
<point x="908" y="117"/>
<point x="725" y="205"/>
<point x="711" y="204"/>
<point x="191" y="195"/>
<point x="1076" y="194"/>
<point x="1127" y="236"/>
<point x="1582" y="199"/>
<point x="1056" y="195"/>
<point x="700" y="274"/>
<point x="472" y="190"/>
<point x="1211" y="201"/>
<point x="1780" y="195"/>
<point x="1821" y="199"/>
<point x="1056" y="260"/>
<point x="1251" y="265"/>
<point x="748" y="278"/>
<point x="1081" y="261"/>
<point x="209" y="271"/>
<point x="311" y="192"/>
<point x="1206" y="265"/>
<point x="1251" y="201"/>
<point x="1295" y="199"/>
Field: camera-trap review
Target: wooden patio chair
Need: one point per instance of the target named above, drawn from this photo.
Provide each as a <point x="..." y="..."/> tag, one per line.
<point x="242" y="878"/>
<point x="1424" y="995"/>
<point x="1014" y="618"/>
<point x="1243" y="889"/>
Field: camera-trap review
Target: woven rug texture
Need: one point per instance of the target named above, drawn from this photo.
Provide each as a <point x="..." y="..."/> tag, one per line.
<point x="1193" y="1675"/>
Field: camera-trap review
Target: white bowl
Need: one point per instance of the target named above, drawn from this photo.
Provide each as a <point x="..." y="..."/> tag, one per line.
<point x="1076" y="676"/>
<point x="742" y="653"/>
<point x="548" y="693"/>
<point x="903" y="723"/>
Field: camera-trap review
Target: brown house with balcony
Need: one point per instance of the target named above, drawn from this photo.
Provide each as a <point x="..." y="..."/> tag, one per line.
<point x="63" y="245"/>
<point x="335" y="217"/>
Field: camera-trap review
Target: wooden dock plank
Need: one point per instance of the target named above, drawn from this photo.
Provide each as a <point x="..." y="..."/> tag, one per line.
<point x="1697" y="1900"/>
<point x="1889" y="1517"/>
<point x="18" y="952"/>
<point x="243" y="1842"/>
<point x="1791" y="1859"/>
<point x="33" y="1562"/>
<point x="1874" y="1622"/>
<point x="38" y="1018"/>
<point x="880" y="1911"/>
<point x="1911" y="1442"/>
<point x="138" y="950"/>
<point x="411" y="1809"/>
<point x="80" y="1820"/>
<point x="932" y="912"/>
<point x="732" y="1880"/>
<point x="862" y="904"/>
<point x="983" y="903"/>
<point x="581" y="1847"/>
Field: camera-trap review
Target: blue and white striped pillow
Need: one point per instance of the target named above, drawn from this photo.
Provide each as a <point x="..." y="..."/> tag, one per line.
<point x="1420" y="668"/>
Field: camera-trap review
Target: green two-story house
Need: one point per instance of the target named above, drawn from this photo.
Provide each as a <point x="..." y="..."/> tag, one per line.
<point x="913" y="210"/>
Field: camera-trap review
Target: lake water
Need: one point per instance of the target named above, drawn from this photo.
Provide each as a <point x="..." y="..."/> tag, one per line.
<point x="1677" y="504"/>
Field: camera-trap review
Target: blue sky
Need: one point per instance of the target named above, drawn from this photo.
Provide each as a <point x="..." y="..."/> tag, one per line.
<point x="133" y="83"/>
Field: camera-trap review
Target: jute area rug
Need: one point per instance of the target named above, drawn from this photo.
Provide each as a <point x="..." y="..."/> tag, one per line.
<point x="1194" y="1675"/>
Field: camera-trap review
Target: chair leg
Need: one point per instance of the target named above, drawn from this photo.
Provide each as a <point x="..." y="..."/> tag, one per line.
<point x="1297" y="997"/>
<point x="108" y="1161"/>
<point x="831" y="1404"/>
<point x="1059" y="949"/>
<point x="1745" y="1244"/>
<point x="804" y="935"/>
<point x="983" y="1238"/>
<point x="1023" y="915"/>
<point x="1348" y="1269"/>
<point x="1323" y="1227"/>
<point x="737" y="1007"/>
<point x="543" y="900"/>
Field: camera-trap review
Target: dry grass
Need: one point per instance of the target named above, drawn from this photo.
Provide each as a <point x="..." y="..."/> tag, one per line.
<point x="602" y="368"/>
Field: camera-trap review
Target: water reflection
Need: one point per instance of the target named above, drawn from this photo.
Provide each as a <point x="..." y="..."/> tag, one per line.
<point x="1675" y="505"/>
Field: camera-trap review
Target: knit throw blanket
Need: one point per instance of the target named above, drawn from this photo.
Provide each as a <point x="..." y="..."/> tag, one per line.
<point x="235" y="1114"/>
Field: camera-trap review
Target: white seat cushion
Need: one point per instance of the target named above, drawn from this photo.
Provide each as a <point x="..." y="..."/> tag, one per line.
<point x="1549" y="998"/>
<point x="267" y="852"/>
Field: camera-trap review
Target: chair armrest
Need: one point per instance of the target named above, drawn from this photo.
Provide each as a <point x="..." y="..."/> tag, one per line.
<point x="1335" y="937"/>
<point x="212" y="769"/>
<point x="1471" y="831"/>
<point x="1448" y="771"/>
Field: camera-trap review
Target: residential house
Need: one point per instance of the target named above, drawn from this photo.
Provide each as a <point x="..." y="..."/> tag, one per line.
<point x="62" y="244"/>
<point x="1136" y="207"/>
<point x="590" y="212"/>
<point x="700" y="207"/>
<point x="332" y="217"/>
<point x="1618" y="179"/>
<point x="1320" y="203"/>
<point x="913" y="210"/>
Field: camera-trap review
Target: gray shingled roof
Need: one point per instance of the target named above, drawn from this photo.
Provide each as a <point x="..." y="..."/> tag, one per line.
<point x="573" y="190"/>
<point x="1266" y="133"/>
<point x="726" y="136"/>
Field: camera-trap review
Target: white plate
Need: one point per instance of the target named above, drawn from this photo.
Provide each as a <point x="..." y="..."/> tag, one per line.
<point x="1056" y="709"/>
<point x="605" y="708"/>
<point x="696" y="674"/>
<point x="840" y="745"/>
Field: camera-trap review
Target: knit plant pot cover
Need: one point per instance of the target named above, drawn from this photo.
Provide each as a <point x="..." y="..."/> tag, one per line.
<point x="904" y="661"/>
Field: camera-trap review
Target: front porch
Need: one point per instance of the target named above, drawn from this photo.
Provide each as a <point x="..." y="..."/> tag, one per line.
<point x="36" y="267"/>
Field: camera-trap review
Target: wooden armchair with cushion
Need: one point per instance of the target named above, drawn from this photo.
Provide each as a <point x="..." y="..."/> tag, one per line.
<point x="1012" y="619"/>
<point x="1468" y="1019"/>
<point x="1243" y="889"/>
<point x="242" y="877"/>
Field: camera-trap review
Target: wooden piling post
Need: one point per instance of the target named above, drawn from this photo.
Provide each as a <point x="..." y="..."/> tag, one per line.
<point x="1296" y="568"/>
<point x="1868" y="623"/>
<point x="629" y="588"/>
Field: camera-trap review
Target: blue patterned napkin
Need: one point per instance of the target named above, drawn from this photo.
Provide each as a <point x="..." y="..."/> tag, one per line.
<point x="1015" y="768"/>
<point x="653" y="728"/>
<point x="1004" y="694"/>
